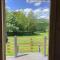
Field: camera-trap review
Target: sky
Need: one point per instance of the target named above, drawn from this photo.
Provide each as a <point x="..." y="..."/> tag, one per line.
<point x="41" y="9"/>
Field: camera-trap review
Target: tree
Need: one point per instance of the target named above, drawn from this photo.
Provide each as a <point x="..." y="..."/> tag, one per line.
<point x="11" y="22"/>
<point x="42" y="25"/>
<point x="21" y="20"/>
<point x="32" y="22"/>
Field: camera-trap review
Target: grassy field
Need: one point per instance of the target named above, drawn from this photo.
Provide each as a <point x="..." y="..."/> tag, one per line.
<point x="27" y="44"/>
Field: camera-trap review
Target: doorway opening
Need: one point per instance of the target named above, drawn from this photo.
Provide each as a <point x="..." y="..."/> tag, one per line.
<point x="27" y="29"/>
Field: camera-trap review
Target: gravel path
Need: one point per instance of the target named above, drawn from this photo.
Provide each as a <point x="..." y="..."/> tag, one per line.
<point x="30" y="56"/>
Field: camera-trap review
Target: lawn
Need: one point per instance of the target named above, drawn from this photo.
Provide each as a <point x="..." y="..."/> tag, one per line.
<point x="27" y="44"/>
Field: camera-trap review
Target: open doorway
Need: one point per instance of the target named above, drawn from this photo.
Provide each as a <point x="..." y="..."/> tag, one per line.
<point x="27" y="26"/>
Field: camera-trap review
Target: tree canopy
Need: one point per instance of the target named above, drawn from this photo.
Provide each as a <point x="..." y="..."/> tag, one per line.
<point x="19" y="22"/>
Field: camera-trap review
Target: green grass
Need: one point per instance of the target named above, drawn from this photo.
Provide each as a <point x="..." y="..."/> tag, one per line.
<point x="24" y="44"/>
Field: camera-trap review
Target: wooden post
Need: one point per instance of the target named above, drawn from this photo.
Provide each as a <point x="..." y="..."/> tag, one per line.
<point x="15" y="46"/>
<point x="45" y="38"/>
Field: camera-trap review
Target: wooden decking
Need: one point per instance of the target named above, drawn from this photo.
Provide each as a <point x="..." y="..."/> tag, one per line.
<point x="30" y="56"/>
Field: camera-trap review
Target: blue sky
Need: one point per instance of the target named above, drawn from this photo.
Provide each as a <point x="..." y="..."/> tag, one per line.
<point x="23" y="4"/>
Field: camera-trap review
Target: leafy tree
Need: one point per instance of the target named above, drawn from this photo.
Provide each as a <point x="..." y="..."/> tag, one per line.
<point x="42" y="25"/>
<point x="11" y="22"/>
<point x="32" y="22"/>
<point x="19" y="22"/>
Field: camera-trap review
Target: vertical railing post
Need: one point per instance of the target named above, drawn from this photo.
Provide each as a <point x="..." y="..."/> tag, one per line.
<point x="31" y="45"/>
<point x="45" y="38"/>
<point x="15" y="45"/>
<point x="39" y="47"/>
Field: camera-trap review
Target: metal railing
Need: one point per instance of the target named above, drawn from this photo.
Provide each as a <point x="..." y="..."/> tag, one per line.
<point x="30" y="45"/>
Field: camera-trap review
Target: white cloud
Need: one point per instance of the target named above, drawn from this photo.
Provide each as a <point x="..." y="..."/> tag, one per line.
<point x="44" y="16"/>
<point x="27" y="10"/>
<point x="46" y="10"/>
<point x="33" y="1"/>
<point x="39" y="13"/>
<point x="37" y="10"/>
<point x="37" y="4"/>
<point x="42" y="13"/>
<point x="19" y="10"/>
<point x="45" y="13"/>
<point x="8" y="8"/>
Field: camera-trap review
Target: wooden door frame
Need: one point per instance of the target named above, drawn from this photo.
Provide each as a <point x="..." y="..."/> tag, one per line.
<point x="3" y="49"/>
<point x="54" y="39"/>
<point x="52" y="33"/>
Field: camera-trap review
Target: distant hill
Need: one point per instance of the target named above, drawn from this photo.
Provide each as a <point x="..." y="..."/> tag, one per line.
<point x="43" y="20"/>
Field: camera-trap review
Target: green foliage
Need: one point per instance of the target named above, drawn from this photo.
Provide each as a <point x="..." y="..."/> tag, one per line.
<point x="19" y="22"/>
<point x="11" y="23"/>
<point x="23" y="40"/>
<point x="42" y="25"/>
<point x="32" y="22"/>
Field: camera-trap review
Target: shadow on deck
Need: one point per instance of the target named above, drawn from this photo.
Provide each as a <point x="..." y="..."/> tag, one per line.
<point x="30" y="56"/>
